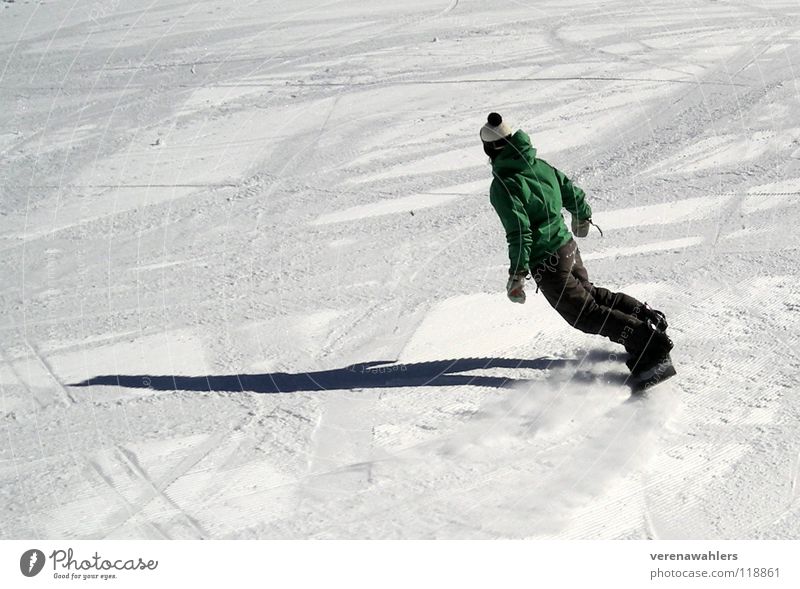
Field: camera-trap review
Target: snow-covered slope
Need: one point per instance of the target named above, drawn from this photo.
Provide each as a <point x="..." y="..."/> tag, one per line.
<point x="261" y="230"/>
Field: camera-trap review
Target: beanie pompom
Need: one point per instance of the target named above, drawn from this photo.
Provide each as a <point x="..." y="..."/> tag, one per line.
<point x="494" y="129"/>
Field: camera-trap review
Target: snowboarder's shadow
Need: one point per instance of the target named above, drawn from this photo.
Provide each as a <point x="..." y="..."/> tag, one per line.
<point x="376" y="374"/>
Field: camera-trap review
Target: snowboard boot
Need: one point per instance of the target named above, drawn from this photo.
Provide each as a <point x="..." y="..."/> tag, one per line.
<point x="648" y="347"/>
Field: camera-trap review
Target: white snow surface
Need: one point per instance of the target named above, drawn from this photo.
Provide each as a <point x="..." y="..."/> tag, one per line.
<point x="263" y="229"/>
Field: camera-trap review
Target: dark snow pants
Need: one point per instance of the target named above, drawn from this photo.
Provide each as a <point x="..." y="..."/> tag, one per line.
<point x="564" y="281"/>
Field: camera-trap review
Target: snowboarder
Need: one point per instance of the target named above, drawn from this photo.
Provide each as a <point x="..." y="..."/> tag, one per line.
<point x="528" y="195"/>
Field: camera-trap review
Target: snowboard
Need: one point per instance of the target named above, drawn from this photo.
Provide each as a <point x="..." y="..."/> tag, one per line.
<point x="649" y="378"/>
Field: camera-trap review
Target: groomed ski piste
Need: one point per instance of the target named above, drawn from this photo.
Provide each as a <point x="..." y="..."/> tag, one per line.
<point x="252" y="285"/>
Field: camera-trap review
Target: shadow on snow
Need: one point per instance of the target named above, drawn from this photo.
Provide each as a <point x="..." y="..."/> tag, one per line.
<point x="377" y="374"/>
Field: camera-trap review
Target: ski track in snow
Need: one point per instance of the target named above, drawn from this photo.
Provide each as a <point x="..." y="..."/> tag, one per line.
<point x="289" y="204"/>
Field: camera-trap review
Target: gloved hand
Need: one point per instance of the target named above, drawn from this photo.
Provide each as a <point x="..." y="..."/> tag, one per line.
<point x="515" y="287"/>
<point x="581" y="228"/>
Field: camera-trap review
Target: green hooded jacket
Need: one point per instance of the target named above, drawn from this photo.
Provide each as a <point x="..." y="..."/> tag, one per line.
<point x="528" y="195"/>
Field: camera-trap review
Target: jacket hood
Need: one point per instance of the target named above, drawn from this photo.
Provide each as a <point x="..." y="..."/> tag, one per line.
<point x="517" y="156"/>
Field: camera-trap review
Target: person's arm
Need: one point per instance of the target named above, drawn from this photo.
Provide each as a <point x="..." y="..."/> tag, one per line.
<point x="515" y="220"/>
<point x="573" y="198"/>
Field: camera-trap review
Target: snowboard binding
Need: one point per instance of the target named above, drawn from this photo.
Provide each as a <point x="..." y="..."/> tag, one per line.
<point x="657" y="373"/>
